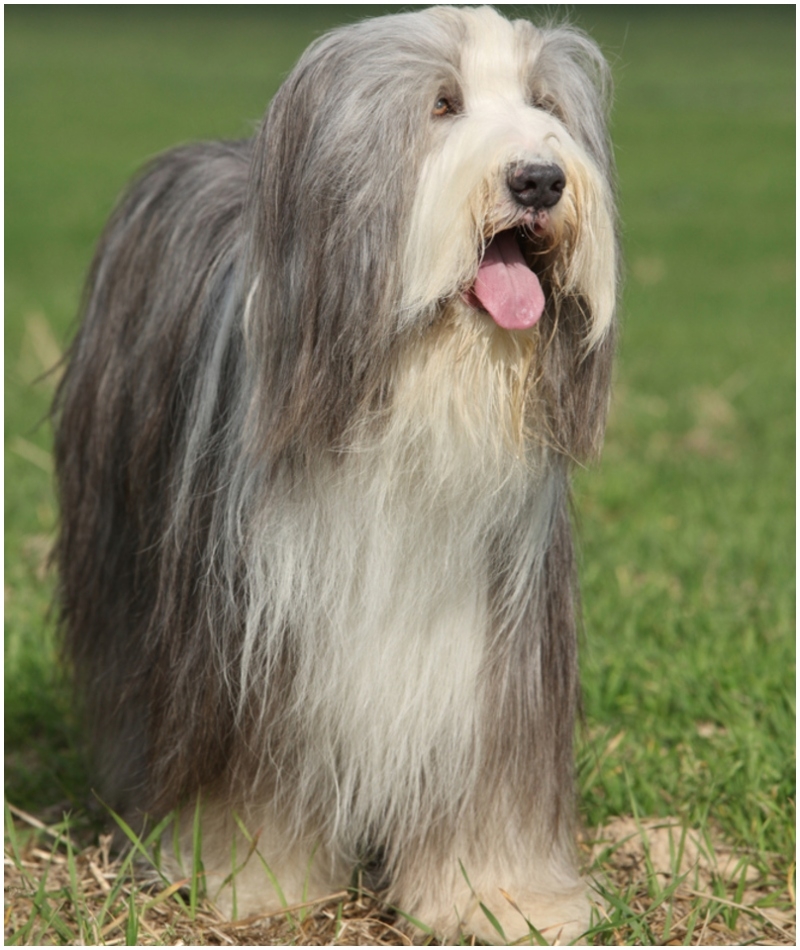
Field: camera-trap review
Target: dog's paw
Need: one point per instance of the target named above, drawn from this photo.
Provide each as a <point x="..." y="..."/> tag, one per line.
<point x="499" y="917"/>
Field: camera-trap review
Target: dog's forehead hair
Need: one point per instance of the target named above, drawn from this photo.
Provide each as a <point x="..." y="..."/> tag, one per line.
<point x="496" y="55"/>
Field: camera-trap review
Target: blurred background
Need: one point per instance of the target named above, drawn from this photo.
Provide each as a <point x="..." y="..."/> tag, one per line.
<point x="687" y="525"/>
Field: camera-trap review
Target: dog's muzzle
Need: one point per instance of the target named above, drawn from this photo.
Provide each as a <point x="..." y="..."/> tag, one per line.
<point x="536" y="186"/>
<point x="505" y="286"/>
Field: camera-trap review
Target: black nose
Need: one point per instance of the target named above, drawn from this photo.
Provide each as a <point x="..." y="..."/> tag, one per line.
<point x="537" y="186"/>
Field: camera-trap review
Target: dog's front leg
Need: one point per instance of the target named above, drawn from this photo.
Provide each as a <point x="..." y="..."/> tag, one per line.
<point x="252" y="863"/>
<point x="525" y="885"/>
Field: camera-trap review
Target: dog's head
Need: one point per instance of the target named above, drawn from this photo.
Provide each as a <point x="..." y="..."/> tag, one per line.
<point x="516" y="181"/>
<point x="420" y="163"/>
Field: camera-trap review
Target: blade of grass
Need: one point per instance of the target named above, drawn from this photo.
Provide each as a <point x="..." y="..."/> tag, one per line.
<point x="197" y="883"/>
<point x="137" y="847"/>
<point x="11" y="834"/>
<point x="487" y="913"/>
<point x="253" y="840"/>
<point x="412" y="920"/>
<point x="337" y="929"/>
<point x="132" y="924"/>
<point x="82" y="915"/>
<point x="232" y="877"/>
<point x="307" y="879"/>
<point x="36" y="823"/>
<point x="532" y="931"/>
<point x="53" y="919"/>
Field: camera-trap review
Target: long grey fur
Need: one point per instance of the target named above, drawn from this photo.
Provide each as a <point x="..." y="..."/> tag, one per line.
<point x="228" y="438"/>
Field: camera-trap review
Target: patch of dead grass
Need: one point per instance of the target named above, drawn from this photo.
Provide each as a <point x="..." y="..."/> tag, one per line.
<point x="662" y="884"/>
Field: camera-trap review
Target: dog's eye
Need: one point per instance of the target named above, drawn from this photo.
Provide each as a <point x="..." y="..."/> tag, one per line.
<point x="548" y="104"/>
<point x="443" y="106"/>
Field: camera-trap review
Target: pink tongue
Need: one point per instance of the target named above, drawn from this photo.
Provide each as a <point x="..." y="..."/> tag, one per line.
<point x="506" y="286"/>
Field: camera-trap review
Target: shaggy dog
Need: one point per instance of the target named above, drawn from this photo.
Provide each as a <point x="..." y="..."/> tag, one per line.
<point x="313" y="454"/>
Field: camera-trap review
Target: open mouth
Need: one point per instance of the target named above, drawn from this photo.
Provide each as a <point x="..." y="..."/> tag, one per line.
<point x="505" y="286"/>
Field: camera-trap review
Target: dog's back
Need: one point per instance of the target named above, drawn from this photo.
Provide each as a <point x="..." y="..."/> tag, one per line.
<point x="165" y="258"/>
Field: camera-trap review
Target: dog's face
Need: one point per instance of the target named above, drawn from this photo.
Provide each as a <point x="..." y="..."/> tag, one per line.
<point x="441" y="162"/>
<point x="516" y="145"/>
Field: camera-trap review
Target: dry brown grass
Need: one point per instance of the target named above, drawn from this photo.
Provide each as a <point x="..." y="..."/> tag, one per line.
<point x="685" y="887"/>
<point x="662" y="885"/>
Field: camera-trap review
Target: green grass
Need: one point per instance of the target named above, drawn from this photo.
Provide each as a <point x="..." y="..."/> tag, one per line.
<point x="687" y="527"/>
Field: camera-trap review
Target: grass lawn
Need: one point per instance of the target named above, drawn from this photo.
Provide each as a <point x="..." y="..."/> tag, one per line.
<point x="687" y="526"/>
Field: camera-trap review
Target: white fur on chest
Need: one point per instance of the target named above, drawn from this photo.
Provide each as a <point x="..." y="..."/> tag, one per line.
<point x="379" y="565"/>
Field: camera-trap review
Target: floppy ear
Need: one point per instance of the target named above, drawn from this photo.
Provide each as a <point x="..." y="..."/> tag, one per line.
<point x="580" y="331"/>
<point x="575" y="385"/>
<point x="571" y="71"/>
<point x="334" y="168"/>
